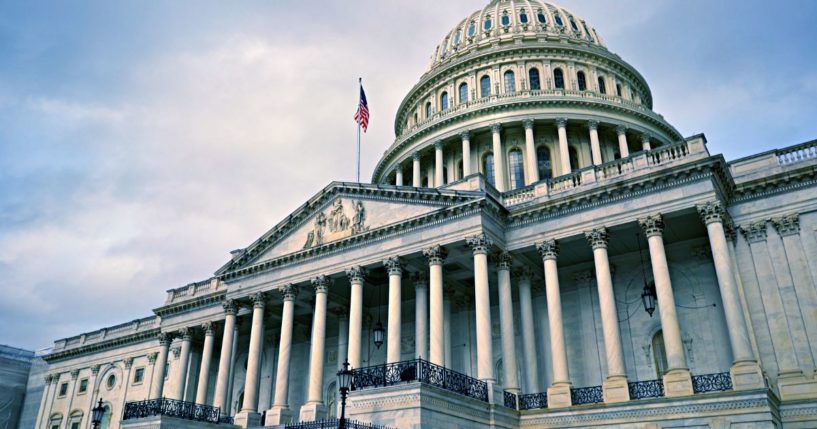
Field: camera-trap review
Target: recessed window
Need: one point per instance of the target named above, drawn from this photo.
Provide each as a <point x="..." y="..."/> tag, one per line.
<point x="63" y="389"/>
<point x="457" y="38"/>
<point x="573" y="24"/>
<point x="587" y="31"/>
<point x="574" y="158"/>
<point x="543" y="163"/>
<point x="488" y="168"/>
<point x="138" y="375"/>
<point x="602" y="86"/>
<point x="506" y="20"/>
<point x="83" y="385"/>
<point x="542" y="18"/>
<point x="517" y="172"/>
<point x="429" y="110"/>
<point x="488" y="24"/>
<point x="110" y="382"/>
<point x="523" y="17"/>
<point x="463" y="93"/>
<point x="618" y="89"/>
<point x="510" y="82"/>
<point x="558" y="19"/>
<point x="485" y="86"/>
<point x="659" y="354"/>
<point x="582" y="80"/>
<point x="415" y="117"/>
<point x="444" y="101"/>
<point x="559" y="78"/>
<point x="472" y="29"/>
<point x="535" y="82"/>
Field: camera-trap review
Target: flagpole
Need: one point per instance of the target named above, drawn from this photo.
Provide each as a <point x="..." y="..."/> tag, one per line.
<point x="360" y="85"/>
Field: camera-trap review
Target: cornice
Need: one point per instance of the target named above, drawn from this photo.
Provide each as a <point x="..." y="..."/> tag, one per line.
<point x="146" y="335"/>
<point x="204" y="301"/>
<point x="772" y="185"/>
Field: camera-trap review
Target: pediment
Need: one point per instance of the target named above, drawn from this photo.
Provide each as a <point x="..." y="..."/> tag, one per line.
<point x="341" y="211"/>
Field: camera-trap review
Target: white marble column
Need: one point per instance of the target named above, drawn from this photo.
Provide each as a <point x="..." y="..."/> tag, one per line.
<point x="393" y="338"/>
<point x="559" y="391"/>
<point x="466" y="153"/>
<point x="480" y="244"/>
<point x="180" y="378"/>
<point x="677" y="380"/>
<point x="342" y="314"/>
<point x="223" y="378"/>
<point x="615" y="385"/>
<point x="503" y="271"/>
<point x="314" y="408"/>
<point x="436" y="350"/>
<point x="398" y="175"/>
<point x="746" y="373"/>
<point x="253" y="374"/>
<point x="157" y="386"/>
<point x="448" y="295"/>
<point x="645" y="142"/>
<point x="231" y="372"/>
<point x="439" y="177"/>
<point x="499" y="158"/>
<point x="623" y="149"/>
<point x="356" y="276"/>
<point x="524" y="277"/>
<point x="595" y="147"/>
<point x="206" y="358"/>
<point x="280" y="413"/>
<point x="564" y="151"/>
<point x="421" y="316"/>
<point x="531" y="166"/>
<point x="416" y="172"/>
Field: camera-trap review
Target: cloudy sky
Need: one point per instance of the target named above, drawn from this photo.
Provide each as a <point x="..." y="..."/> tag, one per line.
<point x="141" y="141"/>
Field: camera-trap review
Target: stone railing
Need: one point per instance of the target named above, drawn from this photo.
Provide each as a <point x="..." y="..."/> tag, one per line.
<point x="798" y="153"/>
<point x="637" y="164"/>
<point x="762" y="165"/>
<point x="171" y="408"/>
<point x="711" y="382"/>
<point x="586" y="395"/>
<point x="192" y="290"/>
<point x="646" y="389"/>
<point x="104" y="334"/>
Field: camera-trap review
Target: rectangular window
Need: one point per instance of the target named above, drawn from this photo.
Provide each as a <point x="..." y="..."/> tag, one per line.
<point x="139" y="375"/>
<point x="63" y="388"/>
<point x="55" y="426"/>
<point x="75" y="425"/>
<point x="83" y="385"/>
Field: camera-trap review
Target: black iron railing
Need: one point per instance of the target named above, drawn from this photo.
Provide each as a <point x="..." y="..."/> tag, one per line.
<point x="333" y="424"/>
<point x="533" y="401"/>
<point x="586" y="395"/>
<point x="226" y="419"/>
<point x="172" y="408"/>
<point x="711" y="382"/>
<point x="646" y="389"/>
<point x="510" y="399"/>
<point x="422" y="371"/>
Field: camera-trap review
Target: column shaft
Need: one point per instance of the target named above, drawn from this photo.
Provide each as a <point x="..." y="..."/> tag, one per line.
<point x="557" y="336"/>
<point x="314" y="395"/>
<point x="254" y="355"/>
<point x="395" y="301"/>
<point x="398" y="176"/>
<point x="466" y="154"/>
<point x="184" y="363"/>
<point x="480" y="244"/>
<point x="159" y="370"/>
<point x="421" y="317"/>
<point x="595" y="147"/>
<point x="623" y="149"/>
<point x="645" y="142"/>
<point x="506" y="323"/>
<point x="439" y="177"/>
<point x="416" y="173"/>
<point x="356" y="276"/>
<point x="607" y="304"/>
<point x="531" y="167"/>
<point x="281" y="399"/>
<point x="222" y="382"/>
<point x="436" y="350"/>
<point x="206" y="358"/>
<point x="447" y="328"/>
<point x="528" y="333"/>
<point x="499" y="158"/>
<point x="564" y="151"/>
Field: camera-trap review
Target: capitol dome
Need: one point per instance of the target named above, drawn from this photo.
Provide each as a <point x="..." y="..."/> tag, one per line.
<point x="520" y="91"/>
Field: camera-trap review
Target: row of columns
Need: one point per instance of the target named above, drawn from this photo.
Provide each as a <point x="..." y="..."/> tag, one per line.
<point x="531" y="171"/>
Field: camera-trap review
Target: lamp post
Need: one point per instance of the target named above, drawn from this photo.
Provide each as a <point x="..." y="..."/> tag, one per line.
<point x="344" y="384"/>
<point x="97" y="413"/>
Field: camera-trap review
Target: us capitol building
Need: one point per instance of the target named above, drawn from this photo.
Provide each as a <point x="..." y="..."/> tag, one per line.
<point x="538" y="248"/>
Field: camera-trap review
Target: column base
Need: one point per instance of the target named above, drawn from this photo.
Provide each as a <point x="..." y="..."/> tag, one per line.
<point x="559" y="395"/>
<point x="615" y="389"/>
<point x="794" y="385"/>
<point x="677" y="382"/>
<point x="747" y="375"/>
<point x="312" y="411"/>
<point x="278" y="416"/>
<point x="247" y="419"/>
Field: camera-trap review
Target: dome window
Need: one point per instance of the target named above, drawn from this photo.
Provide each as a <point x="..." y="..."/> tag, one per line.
<point x="573" y="24"/>
<point x="542" y="18"/>
<point x="429" y="110"/>
<point x="558" y="19"/>
<point x="463" y="93"/>
<point x="523" y="17"/>
<point x="533" y="78"/>
<point x="444" y="101"/>
<point x="510" y="82"/>
<point x="485" y="86"/>
<point x="517" y="170"/>
<point x="559" y="78"/>
<point x="457" y="38"/>
<point x="543" y="163"/>
<point x="582" y="80"/>
<point x="618" y="89"/>
<point x="587" y="31"/>
<point x="488" y="24"/>
<point x="602" y="86"/>
<point x="472" y="29"/>
<point x="488" y="168"/>
<point x="506" y="20"/>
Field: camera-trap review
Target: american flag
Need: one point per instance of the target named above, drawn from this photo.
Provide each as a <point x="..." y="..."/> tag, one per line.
<point x="362" y="115"/>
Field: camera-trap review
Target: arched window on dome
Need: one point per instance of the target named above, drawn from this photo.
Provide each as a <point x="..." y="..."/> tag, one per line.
<point x="463" y="93"/>
<point x="517" y="170"/>
<point x="587" y="32"/>
<point x="510" y="82"/>
<point x="558" y="19"/>
<point x="574" y="158"/>
<point x="618" y="89"/>
<point x="659" y="353"/>
<point x="472" y="29"/>
<point x="543" y="163"/>
<point x="602" y="86"/>
<point x="458" y="38"/>
<point x="459" y="170"/>
<point x="540" y="16"/>
<point x="506" y="20"/>
<point x="488" y="168"/>
<point x="444" y="101"/>
<point x="429" y="110"/>
<point x="415" y="118"/>
<point x="488" y="24"/>
<point x="558" y="78"/>
<point x="533" y="78"/>
<point x="485" y="86"/>
<point x="445" y="175"/>
<point x="523" y="16"/>
<point x="573" y="24"/>
<point x="582" y="81"/>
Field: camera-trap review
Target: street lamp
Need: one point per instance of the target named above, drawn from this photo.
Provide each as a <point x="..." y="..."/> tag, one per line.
<point x="344" y="384"/>
<point x="378" y="333"/>
<point x="97" y="413"/>
<point x="648" y="297"/>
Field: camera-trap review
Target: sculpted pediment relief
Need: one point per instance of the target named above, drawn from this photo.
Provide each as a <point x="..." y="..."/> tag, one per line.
<point x="334" y="223"/>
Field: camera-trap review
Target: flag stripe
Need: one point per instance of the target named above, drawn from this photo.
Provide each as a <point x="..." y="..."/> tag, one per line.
<point x="362" y="114"/>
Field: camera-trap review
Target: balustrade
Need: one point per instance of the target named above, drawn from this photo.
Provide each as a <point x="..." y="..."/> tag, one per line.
<point x="510" y="399"/>
<point x="172" y="408"/>
<point x="669" y="153"/>
<point x="586" y="395"/>
<point x="646" y="389"/>
<point x="334" y="424"/>
<point x="419" y="370"/>
<point x="711" y="382"/>
<point x="533" y="401"/>
<point x="795" y="154"/>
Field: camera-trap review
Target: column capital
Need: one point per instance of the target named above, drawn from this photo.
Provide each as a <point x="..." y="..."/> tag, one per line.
<point x="435" y="254"/>
<point x="47" y="379"/>
<point x="164" y="338"/>
<point x="420" y="280"/>
<point x="787" y="225"/>
<point x="561" y="122"/>
<point x="259" y="300"/>
<point x="652" y="225"/>
<point x="523" y="273"/>
<point x="593" y="124"/>
<point x="711" y="212"/>
<point x="646" y="137"/>
<point x="230" y="307"/>
<point x="356" y="274"/>
<point x="393" y="265"/>
<point x="438" y="145"/>
<point x="621" y="129"/>
<point x="152" y="357"/>
<point x="597" y="237"/>
<point x="176" y="352"/>
<point x="341" y="312"/>
<point x="548" y="249"/>
<point x="95" y="369"/>
<point x="289" y="292"/>
<point x="74" y="374"/>
<point x="503" y="260"/>
<point x="465" y="135"/>
<point x="496" y="128"/>
<point x="416" y="156"/>
<point x="321" y="284"/>
<point x="207" y="327"/>
<point x="528" y="124"/>
<point x="184" y="334"/>
<point x="754" y="232"/>
<point x="480" y="243"/>
<point x="128" y="362"/>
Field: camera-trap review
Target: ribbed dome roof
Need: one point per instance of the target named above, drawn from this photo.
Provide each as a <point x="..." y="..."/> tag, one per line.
<point x="502" y="19"/>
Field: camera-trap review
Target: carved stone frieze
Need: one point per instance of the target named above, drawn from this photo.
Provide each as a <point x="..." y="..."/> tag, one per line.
<point x="335" y="224"/>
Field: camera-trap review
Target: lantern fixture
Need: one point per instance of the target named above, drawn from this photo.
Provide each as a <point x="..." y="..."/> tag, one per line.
<point x="648" y="297"/>
<point x="97" y="413"/>
<point x="378" y="333"/>
<point x="344" y="385"/>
